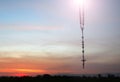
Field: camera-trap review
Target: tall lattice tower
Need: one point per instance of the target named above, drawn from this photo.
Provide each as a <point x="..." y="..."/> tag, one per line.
<point x="82" y="24"/>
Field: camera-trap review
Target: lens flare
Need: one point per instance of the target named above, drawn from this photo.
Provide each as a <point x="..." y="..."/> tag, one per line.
<point x="79" y="2"/>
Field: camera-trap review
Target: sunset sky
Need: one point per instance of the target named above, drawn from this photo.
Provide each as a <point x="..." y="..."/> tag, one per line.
<point x="44" y="36"/>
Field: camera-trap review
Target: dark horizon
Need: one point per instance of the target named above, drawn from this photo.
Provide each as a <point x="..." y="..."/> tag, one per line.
<point x="58" y="78"/>
<point x="63" y="74"/>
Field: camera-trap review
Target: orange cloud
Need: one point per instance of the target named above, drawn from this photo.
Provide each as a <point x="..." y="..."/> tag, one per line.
<point x="30" y="70"/>
<point x="32" y="65"/>
<point x="22" y="70"/>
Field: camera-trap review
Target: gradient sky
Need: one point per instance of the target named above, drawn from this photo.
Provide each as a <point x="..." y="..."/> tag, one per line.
<point x="43" y="36"/>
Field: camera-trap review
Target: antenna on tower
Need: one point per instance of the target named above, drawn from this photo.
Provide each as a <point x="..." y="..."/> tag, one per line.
<point x="81" y="13"/>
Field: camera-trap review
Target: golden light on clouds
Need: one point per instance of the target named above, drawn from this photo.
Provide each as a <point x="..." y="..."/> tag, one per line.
<point x="30" y="70"/>
<point x="21" y="70"/>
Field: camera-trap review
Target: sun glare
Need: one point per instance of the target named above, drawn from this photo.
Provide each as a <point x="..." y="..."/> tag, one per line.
<point x="20" y="74"/>
<point x="79" y="2"/>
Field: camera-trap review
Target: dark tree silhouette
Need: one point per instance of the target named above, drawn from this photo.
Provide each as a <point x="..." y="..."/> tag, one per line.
<point x="49" y="78"/>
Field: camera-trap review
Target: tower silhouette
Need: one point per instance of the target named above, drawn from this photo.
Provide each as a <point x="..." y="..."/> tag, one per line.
<point x="81" y="13"/>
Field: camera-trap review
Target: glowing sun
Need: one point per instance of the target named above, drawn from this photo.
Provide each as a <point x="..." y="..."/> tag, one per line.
<point x="79" y="2"/>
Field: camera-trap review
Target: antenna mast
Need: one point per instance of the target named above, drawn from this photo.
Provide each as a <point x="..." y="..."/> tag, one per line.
<point x="81" y="13"/>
